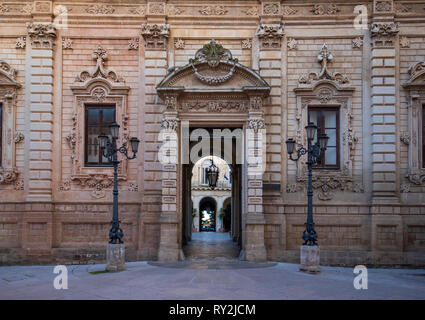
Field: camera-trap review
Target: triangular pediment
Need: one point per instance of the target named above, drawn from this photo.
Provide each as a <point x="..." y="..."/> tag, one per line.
<point x="7" y="75"/>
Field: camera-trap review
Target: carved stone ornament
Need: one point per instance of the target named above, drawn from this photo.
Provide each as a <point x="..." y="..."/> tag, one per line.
<point x="99" y="71"/>
<point x="252" y="11"/>
<point x="8" y="99"/>
<point x="383" y="33"/>
<point x="288" y="11"/>
<point x="42" y="35"/>
<point x="213" y="10"/>
<point x="247" y="44"/>
<point x="320" y="9"/>
<point x="214" y="106"/>
<point x="175" y="11"/>
<point x="292" y="44"/>
<point x="405" y="138"/>
<point x="383" y="6"/>
<point x="155" y="35"/>
<point x="213" y="53"/>
<point x="271" y="8"/>
<point x="66" y="43"/>
<point x="256" y="124"/>
<point x="21" y="43"/>
<point x="100" y="9"/>
<point x="179" y="43"/>
<point x="357" y="42"/>
<point x="133" y="44"/>
<point x="169" y="124"/>
<point x="140" y="10"/>
<point x="8" y="175"/>
<point x="324" y="58"/>
<point x="19" y="137"/>
<point x="270" y="36"/>
<point x="404" y="42"/>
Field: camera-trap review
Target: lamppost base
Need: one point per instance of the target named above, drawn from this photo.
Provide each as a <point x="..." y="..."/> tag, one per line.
<point x="115" y="257"/>
<point x="310" y="259"/>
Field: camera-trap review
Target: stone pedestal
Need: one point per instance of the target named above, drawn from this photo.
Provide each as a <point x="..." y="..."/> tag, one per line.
<point x="115" y="257"/>
<point x="310" y="259"/>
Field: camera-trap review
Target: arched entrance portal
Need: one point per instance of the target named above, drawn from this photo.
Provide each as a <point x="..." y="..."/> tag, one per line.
<point x="207" y="214"/>
<point x="213" y="92"/>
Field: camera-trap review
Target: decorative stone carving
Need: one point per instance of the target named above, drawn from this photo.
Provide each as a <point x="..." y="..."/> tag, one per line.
<point x="19" y="185"/>
<point x="179" y="43"/>
<point x="357" y="42"/>
<point x="271" y="8"/>
<point x="405" y="188"/>
<point x="213" y="10"/>
<point x="133" y="187"/>
<point x="213" y="53"/>
<point x="65" y="186"/>
<point x="99" y="9"/>
<point x="99" y="71"/>
<point x="155" y="35"/>
<point x="416" y="178"/>
<point x="324" y="57"/>
<point x="156" y="8"/>
<point x="255" y="103"/>
<point x="8" y="175"/>
<point x="270" y="35"/>
<point x="288" y="11"/>
<point x="404" y="42"/>
<point x="27" y="8"/>
<point x="21" y="42"/>
<point x="383" y="6"/>
<point x="3" y="8"/>
<point x="402" y="8"/>
<point x="169" y="124"/>
<point x="252" y="11"/>
<point x="19" y="137"/>
<point x="383" y="33"/>
<point x="292" y="44"/>
<point x="42" y="35"/>
<point x="171" y="102"/>
<point x="66" y="43"/>
<point x="175" y="11"/>
<point x="256" y="124"/>
<point x="247" y="44"/>
<point x="215" y="106"/>
<point x="140" y="10"/>
<point x="405" y="138"/>
<point x="133" y="44"/>
<point x="320" y="9"/>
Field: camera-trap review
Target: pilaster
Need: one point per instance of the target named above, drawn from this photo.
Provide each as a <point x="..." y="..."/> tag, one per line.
<point x="42" y="39"/>
<point x="383" y="82"/>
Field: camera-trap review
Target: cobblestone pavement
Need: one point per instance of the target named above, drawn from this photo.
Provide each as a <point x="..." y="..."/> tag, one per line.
<point x="208" y="279"/>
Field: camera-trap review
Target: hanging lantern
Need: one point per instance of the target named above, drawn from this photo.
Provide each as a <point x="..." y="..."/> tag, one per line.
<point x="212" y="175"/>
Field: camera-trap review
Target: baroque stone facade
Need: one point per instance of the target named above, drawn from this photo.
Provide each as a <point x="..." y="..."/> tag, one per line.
<point x="255" y="65"/>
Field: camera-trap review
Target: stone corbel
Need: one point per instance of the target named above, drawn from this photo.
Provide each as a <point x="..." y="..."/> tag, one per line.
<point x="384" y="33"/>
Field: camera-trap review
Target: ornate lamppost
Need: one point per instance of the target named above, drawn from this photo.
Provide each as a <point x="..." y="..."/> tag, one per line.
<point x="115" y="253"/>
<point x="212" y="175"/>
<point x="310" y="257"/>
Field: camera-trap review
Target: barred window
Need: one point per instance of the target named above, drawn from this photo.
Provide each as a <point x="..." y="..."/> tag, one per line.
<point x="327" y="121"/>
<point x="98" y="119"/>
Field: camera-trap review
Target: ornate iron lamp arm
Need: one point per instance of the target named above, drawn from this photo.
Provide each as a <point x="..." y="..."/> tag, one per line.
<point x="300" y="152"/>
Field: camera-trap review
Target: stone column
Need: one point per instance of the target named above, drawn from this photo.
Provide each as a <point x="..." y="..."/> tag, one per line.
<point x="42" y="37"/>
<point x="383" y="78"/>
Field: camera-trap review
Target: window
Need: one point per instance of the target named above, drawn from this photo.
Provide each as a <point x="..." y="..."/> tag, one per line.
<point x="1" y="132"/>
<point x="98" y="119"/>
<point x="327" y="121"/>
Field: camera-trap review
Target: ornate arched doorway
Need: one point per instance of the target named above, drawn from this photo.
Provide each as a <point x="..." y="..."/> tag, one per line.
<point x="213" y="91"/>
